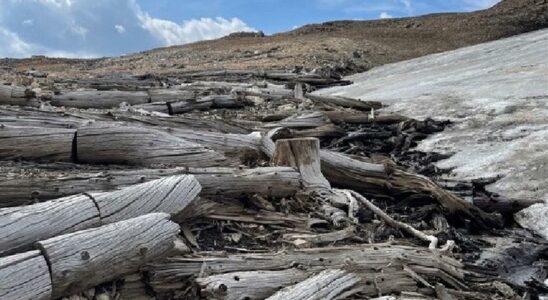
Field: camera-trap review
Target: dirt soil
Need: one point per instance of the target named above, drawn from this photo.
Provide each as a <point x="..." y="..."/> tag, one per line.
<point x="342" y="46"/>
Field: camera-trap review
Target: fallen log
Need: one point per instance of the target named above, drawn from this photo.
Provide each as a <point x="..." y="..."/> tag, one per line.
<point x="99" y="99"/>
<point x="171" y="95"/>
<point x="22" y="185"/>
<point x="345" y="102"/>
<point x="25" y="276"/>
<point x="35" y="143"/>
<point x="16" y="95"/>
<point x="327" y="285"/>
<point x="167" y="195"/>
<point x="90" y="257"/>
<point x="20" y="227"/>
<point x="205" y="103"/>
<point x="308" y="120"/>
<point x="339" y="117"/>
<point x="140" y="146"/>
<point x="380" y="267"/>
<point x="376" y="179"/>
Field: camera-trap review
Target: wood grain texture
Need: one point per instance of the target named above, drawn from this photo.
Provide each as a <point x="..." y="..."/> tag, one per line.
<point x="98" y="99"/>
<point x="21" y="186"/>
<point x="304" y="155"/>
<point x="326" y="285"/>
<point x="25" y="276"/>
<point x="345" y="102"/>
<point x="15" y="95"/>
<point x="90" y="257"/>
<point x="166" y="195"/>
<point x="35" y="143"/>
<point x="141" y="146"/>
<point x="21" y="227"/>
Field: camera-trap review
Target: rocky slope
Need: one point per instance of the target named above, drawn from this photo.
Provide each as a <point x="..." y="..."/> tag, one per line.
<point x="343" y="46"/>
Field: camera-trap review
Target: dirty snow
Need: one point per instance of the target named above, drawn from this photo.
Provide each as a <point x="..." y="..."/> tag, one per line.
<point x="497" y="95"/>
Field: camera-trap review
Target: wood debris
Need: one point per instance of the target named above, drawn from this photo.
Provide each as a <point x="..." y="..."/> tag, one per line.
<point x="240" y="184"/>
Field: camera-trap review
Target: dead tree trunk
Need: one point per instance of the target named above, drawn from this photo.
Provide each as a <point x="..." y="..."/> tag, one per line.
<point x="140" y="146"/>
<point x="90" y="257"/>
<point x="35" y="143"/>
<point x="20" y="227"/>
<point x="16" y="95"/>
<point x="167" y="195"/>
<point x="25" y="276"/>
<point x="327" y="285"/>
<point x="304" y="155"/>
<point x="99" y="99"/>
<point x="345" y="102"/>
<point x="205" y="103"/>
<point x="18" y="188"/>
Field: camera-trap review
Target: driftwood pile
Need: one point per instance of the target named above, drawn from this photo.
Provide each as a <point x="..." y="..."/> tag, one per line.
<point x="241" y="185"/>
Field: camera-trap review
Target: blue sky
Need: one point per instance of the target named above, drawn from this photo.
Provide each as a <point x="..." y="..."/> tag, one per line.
<point x="92" y="28"/>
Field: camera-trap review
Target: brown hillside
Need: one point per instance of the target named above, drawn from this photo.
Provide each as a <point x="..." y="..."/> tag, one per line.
<point x="343" y="46"/>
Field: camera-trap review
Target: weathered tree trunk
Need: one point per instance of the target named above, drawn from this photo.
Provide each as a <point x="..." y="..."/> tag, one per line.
<point x="303" y="154"/>
<point x="20" y="227"/>
<point x="25" y="276"/>
<point x="345" y="102"/>
<point x="99" y="99"/>
<point x="90" y="257"/>
<point x="339" y="117"/>
<point x="167" y="195"/>
<point x="308" y="120"/>
<point x="204" y="103"/>
<point x="140" y="146"/>
<point x="327" y="285"/>
<point x="380" y="267"/>
<point x="171" y="95"/>
<point x="21" y="186"/>
<point x="15" y="95"/>
<point x="35" y="143"/>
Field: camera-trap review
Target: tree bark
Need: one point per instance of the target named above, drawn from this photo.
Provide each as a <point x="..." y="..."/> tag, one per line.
<point x="35" y="143"/>
<point x="90" y="257"/>
<point x="20" y="227"/>
<point x="25" y="276"/>
<point x="140" y="146"/>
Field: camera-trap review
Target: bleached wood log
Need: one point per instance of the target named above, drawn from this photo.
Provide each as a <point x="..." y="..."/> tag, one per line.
<point x="90" y="257"/>
<point x="25" y="276"/>
<point x="134" y="288"/>
<point x="321" y="238"/>
<point x="345" y="102"/>
<point x="167" y="195"/>
<point x="339" y="117"/>
<point x="99" y="99"/>
<point x="140" y="146"/>
<point x="308" y="120"/>
<point x="16" y="95"/>
<point x="327" y="285"/>
<point x="35" y="143"/>
<point x="380" y="267"/>
<point x="21" y="227"/>
<point x="21" y="186"/>
<point x="205" y="103"/>
<point x="171" y="95"/>
<point x="226" y="142"/>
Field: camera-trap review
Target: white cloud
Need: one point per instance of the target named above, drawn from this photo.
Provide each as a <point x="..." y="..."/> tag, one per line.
<point x="171" y="33"/>
<point x="12" y="44"/>
<point x="85" y="28"/>
<point x="385" y="15"/>
<point x="407" y="4"/>
<point x="479" y="4"/>
<point x="121" y="29"/>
